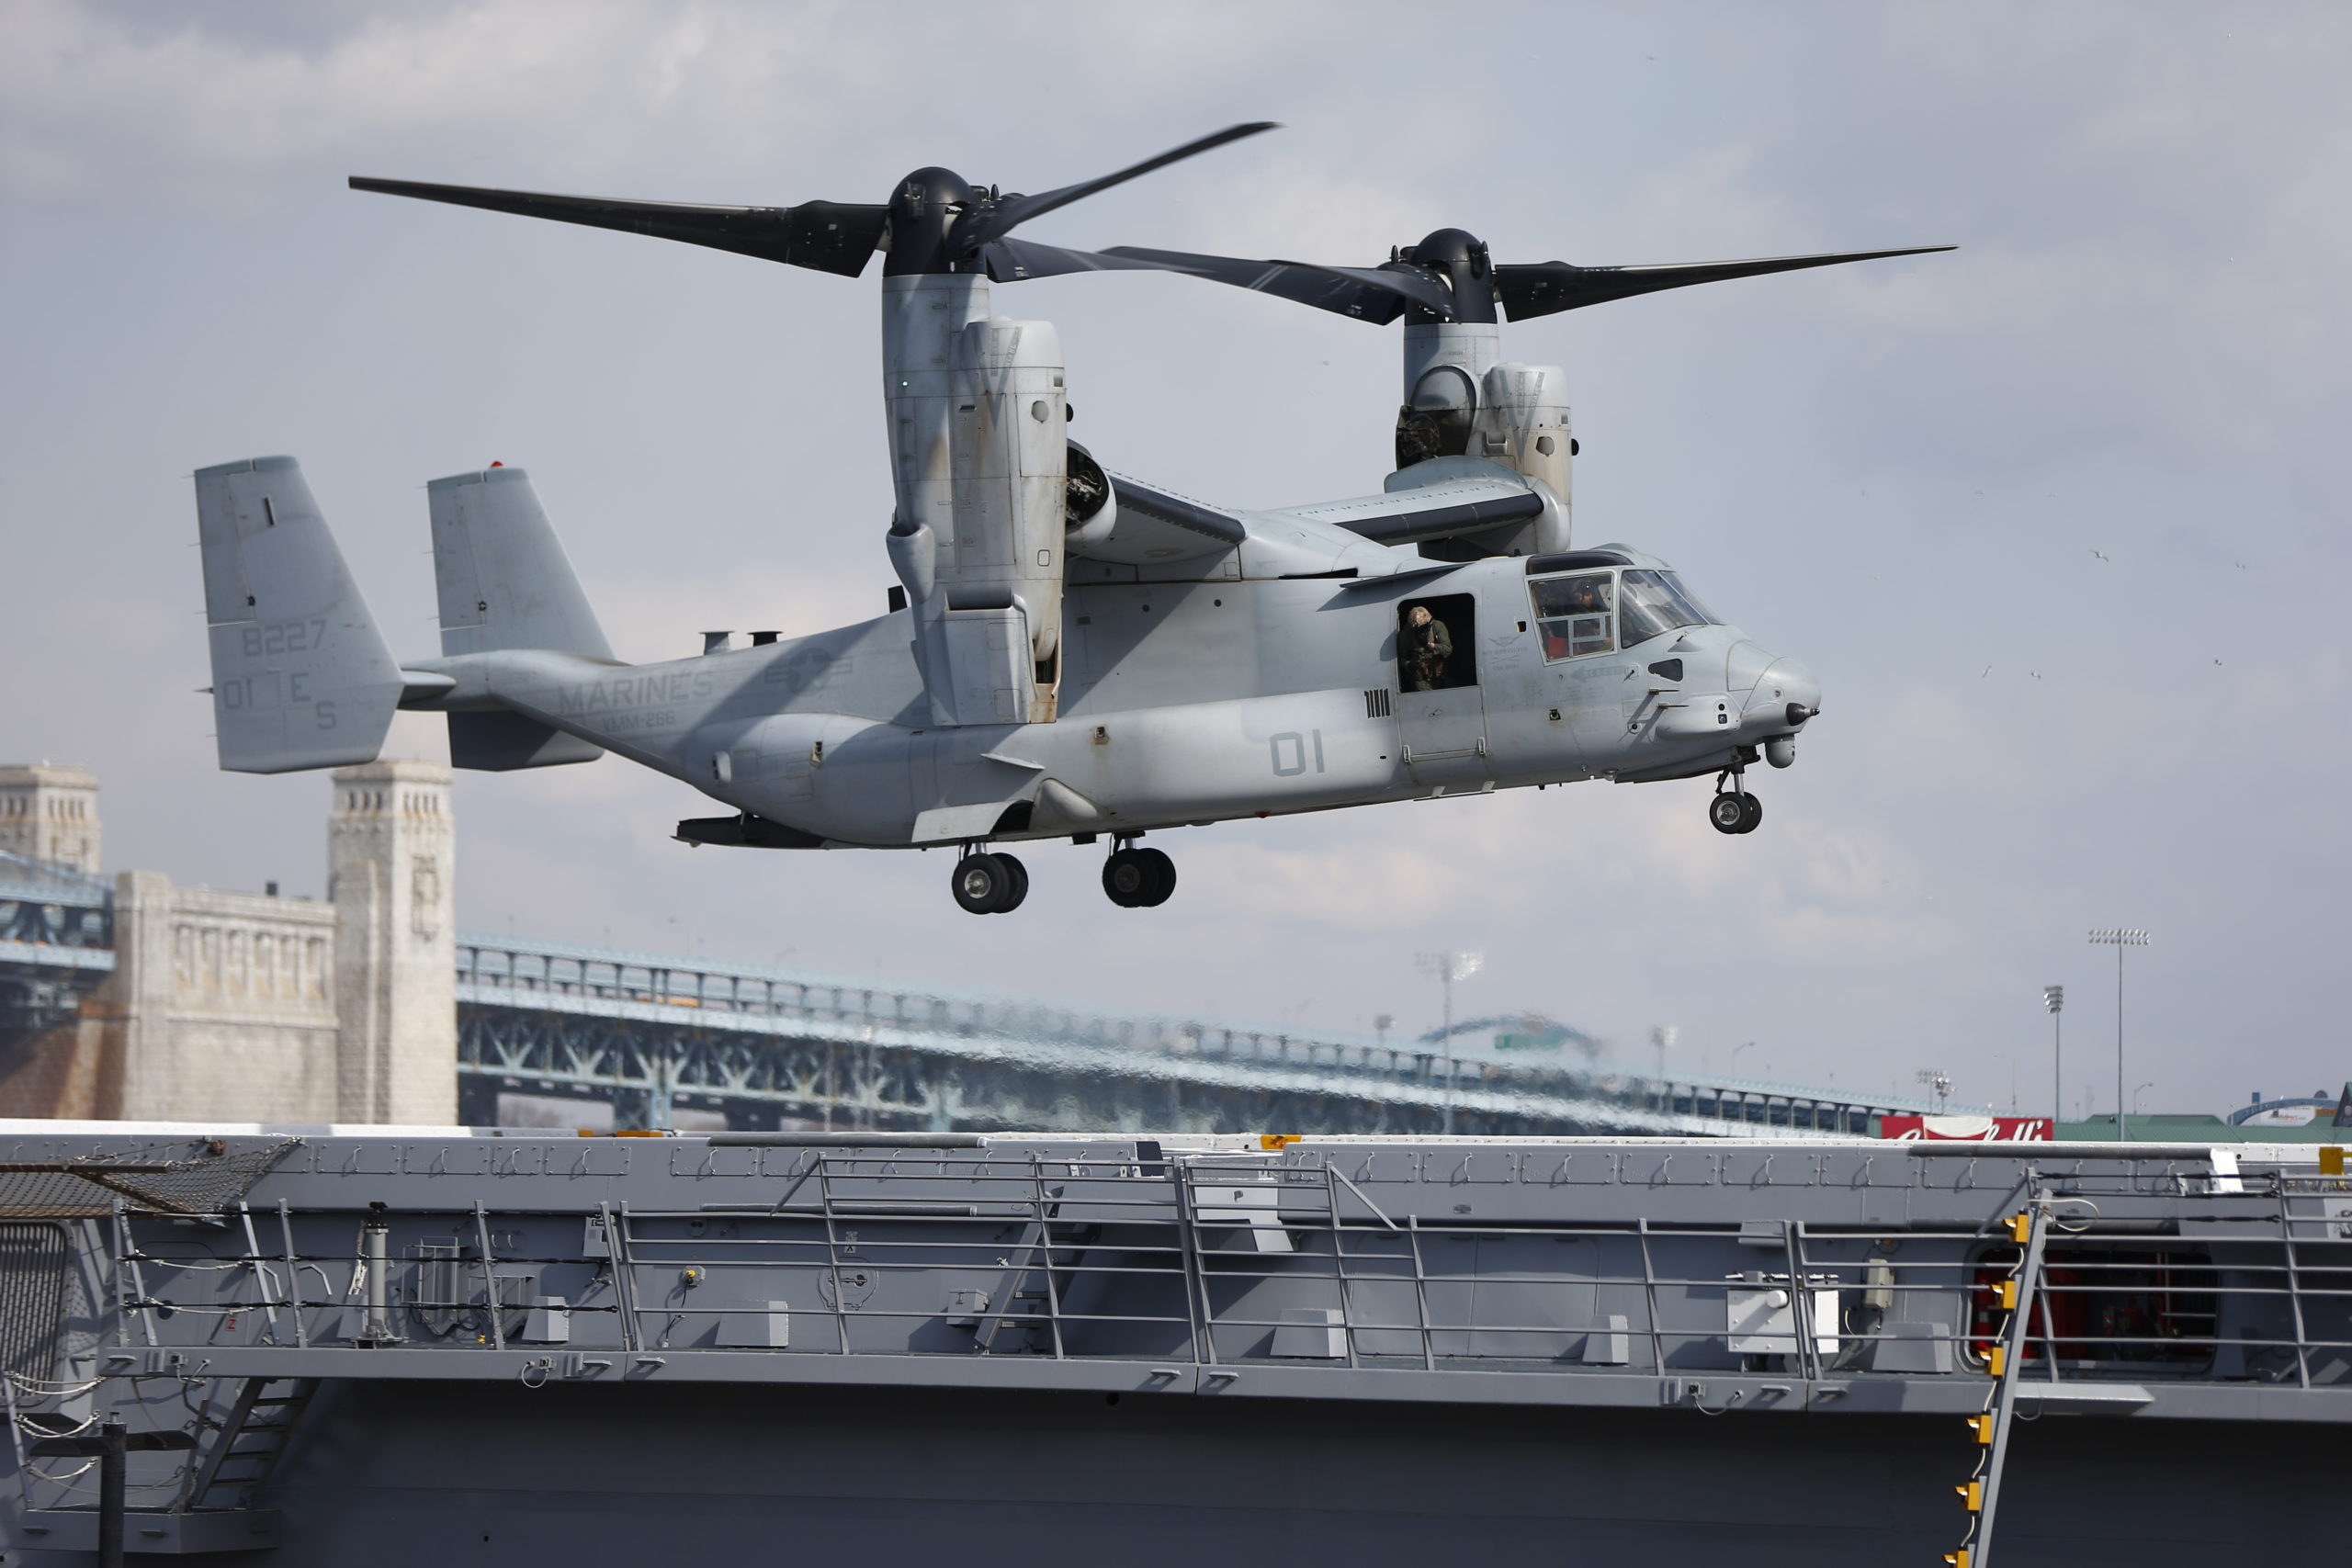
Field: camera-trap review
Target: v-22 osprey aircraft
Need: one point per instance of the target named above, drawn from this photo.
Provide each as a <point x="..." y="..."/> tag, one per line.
<point x="1069" y="653"/>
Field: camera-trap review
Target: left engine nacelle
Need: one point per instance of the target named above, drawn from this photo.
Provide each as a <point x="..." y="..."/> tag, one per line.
<point x="986" y="589"/>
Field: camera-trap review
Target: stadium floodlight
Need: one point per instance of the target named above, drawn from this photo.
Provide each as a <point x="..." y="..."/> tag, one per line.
<point x="1448" y="967"/>
<point x="2055" y="998"/>
<point x="2118" y="938"/>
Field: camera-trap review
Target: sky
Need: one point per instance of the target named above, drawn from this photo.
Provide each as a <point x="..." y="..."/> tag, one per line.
<point x="2057" y="517"/>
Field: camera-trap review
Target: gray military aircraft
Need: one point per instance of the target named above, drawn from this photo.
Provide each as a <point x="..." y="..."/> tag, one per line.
<point x="1070" y="653"/>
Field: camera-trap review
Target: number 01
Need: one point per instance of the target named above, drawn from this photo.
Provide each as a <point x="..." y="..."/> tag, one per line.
<point x="1289" y="750"/>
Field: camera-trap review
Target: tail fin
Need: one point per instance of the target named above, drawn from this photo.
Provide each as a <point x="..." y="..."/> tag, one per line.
<point x="504" y="580"/>
<point x="300" y="675"/>
<point x="505" y="583"/>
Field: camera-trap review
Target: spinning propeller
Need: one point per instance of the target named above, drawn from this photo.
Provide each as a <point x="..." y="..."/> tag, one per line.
<point x="1449" y="278"/>
<point x="935" y="222"/>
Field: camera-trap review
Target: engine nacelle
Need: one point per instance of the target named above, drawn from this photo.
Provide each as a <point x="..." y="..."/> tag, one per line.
<point x="1090" y="513"/>
<point x="1010" y="442"/>
<point x="1522" y="420"/>
<point x="1464" y="399"/>
<point x="979" y="428"/>
<point x="1510" y="413"/>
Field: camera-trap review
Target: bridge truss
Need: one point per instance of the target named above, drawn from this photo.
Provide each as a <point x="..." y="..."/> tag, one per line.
<point x="660" y="1038"/>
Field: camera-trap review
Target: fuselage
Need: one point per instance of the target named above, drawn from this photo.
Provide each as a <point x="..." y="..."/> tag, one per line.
<point x="1198" y="701"/>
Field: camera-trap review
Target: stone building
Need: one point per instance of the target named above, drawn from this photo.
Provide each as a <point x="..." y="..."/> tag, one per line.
<point x="391" y="878"/>
<point x="51" y="814"/>
<point x="253" y="1008"/>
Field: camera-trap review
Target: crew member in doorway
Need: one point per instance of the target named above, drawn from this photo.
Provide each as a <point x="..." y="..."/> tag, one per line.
<point x="1427" y="645"/>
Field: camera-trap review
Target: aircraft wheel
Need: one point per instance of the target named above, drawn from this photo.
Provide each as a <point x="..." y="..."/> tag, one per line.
<point x="1729" y="815"/>
<point x="1163" y="877"/>
<point x="1016" y="885"/>
<point x="981" y="882"/>
<point x="1751" y="814"/>
<point x="1127" y="877"/>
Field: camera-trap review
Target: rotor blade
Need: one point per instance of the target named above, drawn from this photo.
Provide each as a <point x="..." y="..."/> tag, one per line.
<point x="995" y="222"/>
<point x="1394" y="278"/>
<point x="1012" y="261"/>
<point x="1544" y="288"/>
<point x="829" y="236"/>
<point x="1367" y="294"/>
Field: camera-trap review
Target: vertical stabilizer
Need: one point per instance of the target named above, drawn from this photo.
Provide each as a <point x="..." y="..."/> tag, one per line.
<point x="503" y="576"/>
<point x="505" y="583"/>
<point x="300" y="675"/>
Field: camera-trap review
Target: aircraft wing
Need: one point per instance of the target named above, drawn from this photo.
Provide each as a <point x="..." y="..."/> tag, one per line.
<point x="1333" y="538"/>
<point x="1429" y="512"/>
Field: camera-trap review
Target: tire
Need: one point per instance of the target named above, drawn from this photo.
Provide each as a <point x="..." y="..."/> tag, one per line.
<point x="979" y="882"/>
<point x="1127" y="878"/>
<point x="1016" y="884"/>
<point x="1752" y="815"/>
<point x="1163" y="877"/>
<point x="1727" y="814"/>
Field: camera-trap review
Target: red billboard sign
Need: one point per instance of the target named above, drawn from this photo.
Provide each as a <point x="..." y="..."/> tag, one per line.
<point x="1968" y="1129"/>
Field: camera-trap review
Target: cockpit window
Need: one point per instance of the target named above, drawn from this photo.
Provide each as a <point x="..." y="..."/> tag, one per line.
<point x="1572" y="614"/>
<point x="1655" y="602"/>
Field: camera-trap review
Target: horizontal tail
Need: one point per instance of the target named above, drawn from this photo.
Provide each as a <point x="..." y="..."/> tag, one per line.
<point x="300" y="675"/>
<point x="505" y="583"/>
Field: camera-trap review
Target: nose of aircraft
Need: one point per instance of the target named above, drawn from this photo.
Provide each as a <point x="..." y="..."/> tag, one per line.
<point x="1786" y="695"/>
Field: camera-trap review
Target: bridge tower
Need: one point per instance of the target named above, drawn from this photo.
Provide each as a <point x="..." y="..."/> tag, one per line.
<point x="391" y="876"/>
<point x="51" y="814"/>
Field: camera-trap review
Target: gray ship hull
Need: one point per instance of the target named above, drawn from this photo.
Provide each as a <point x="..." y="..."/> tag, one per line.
<point x="900" y="1346"/>
<point x="400" y="1473"/>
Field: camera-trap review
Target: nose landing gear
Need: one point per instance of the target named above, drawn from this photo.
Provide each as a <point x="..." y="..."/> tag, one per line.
<point x="1137" y="879"/>
<point x="1734" y="810"/>
<point x="987" y="884"/>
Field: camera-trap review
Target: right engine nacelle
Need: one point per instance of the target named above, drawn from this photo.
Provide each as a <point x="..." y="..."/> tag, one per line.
<point x="1513" y="414"/>
<point x="1522" y="420"/>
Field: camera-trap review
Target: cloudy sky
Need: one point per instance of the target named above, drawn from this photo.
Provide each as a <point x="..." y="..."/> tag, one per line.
<point x="2058" y="517"/>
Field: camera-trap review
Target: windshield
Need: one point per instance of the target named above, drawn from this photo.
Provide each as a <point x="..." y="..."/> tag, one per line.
<point x="1652" y="604"/>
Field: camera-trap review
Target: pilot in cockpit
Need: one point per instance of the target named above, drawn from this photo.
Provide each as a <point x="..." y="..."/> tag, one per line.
<point x="1585" y="595"/>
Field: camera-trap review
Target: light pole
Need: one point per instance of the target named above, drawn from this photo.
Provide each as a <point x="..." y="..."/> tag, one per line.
<point x="2055" y="998"/>
<point x="1449" y="966"/>
<point x="2118" y="938"/>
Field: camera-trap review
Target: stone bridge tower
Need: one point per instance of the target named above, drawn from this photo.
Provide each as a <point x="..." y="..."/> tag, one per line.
<point x="51" y="814"/>
<point x="391" y="876"/>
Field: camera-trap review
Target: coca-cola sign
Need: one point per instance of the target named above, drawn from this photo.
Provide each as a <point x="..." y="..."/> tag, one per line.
<point x="1968" y="1129"/>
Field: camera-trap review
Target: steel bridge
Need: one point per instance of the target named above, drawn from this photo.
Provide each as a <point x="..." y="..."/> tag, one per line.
<point x="56" y="943"/>
<point x="664" y="1039"/>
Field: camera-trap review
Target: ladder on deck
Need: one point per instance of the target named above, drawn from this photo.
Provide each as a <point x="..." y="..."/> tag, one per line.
<point x="1981" y="1493"/>
<point x="245" y="1451"/>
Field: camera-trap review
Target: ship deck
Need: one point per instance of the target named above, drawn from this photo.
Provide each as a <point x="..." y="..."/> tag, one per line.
<point x="1560" y="1288"/>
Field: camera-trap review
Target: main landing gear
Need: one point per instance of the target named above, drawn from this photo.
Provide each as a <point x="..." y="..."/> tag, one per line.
<point x="987" y="884"/>
<point x="1734" y="810"/>
<point x="1137" y="879"/>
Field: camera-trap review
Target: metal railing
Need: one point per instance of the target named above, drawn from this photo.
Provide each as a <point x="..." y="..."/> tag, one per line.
<point x="1216" y="1262"/>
